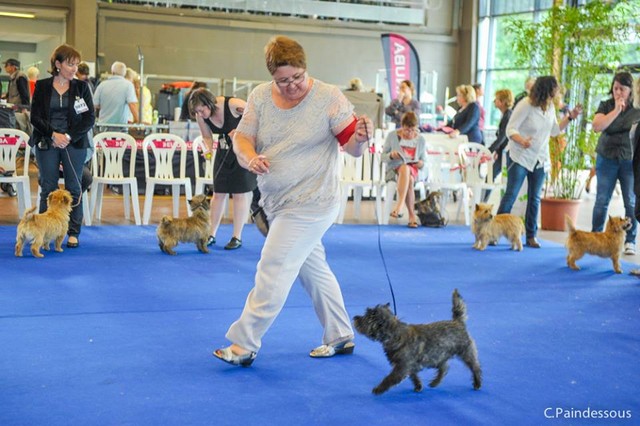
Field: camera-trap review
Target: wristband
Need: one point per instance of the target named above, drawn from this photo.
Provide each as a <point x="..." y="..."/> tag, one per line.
<point x="570" y="117"/>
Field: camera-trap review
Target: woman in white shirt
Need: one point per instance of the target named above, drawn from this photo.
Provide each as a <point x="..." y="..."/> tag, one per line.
<point x="532" y="122"/>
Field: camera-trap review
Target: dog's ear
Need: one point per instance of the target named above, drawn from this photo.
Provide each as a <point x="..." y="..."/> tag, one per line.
<point x="477" y="207"/>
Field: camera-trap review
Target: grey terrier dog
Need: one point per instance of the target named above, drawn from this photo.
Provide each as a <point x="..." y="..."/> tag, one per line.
<point x="412" y="347"/>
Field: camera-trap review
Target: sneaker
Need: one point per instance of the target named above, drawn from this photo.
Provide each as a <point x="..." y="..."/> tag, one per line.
<point x="630" y="249"/>
<point x="211" y="240"/>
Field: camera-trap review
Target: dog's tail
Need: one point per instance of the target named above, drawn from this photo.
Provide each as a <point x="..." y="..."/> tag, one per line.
<point x="459" y="309"/>
<point x="571" y="227"/>
<point x="29" y="214"/>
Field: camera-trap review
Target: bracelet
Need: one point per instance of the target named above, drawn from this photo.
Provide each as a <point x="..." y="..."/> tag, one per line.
<point x="571" y="118"/>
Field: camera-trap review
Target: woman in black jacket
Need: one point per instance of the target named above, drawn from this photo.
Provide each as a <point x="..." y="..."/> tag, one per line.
<point x="62" y="113"/>
<point x="467" y="119"/>
<point x="504" y="102"/>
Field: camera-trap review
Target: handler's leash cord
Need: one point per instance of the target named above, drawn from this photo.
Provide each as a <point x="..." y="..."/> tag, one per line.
<point x="384" y="262"/>
<point x="76" y="176"/>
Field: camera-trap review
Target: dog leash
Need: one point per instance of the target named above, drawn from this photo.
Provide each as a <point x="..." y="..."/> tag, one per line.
<point x="229" y="147"/>
<point x="76" y="176"/>
<point x="384" y="262"/>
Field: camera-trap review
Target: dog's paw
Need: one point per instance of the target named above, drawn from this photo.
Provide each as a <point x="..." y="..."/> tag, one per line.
<point x="378" y="390"/>
<point x="417" y="388"/>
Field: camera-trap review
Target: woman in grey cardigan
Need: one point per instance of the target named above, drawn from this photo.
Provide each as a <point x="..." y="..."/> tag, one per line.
<point x="405" y="154"/>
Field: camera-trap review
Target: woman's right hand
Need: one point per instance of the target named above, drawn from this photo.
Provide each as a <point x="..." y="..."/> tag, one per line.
<point x="526" y="142"/>
<point x="60" y="140"/>
<point x="394" y="155"/>
<point x="259" y="165"/>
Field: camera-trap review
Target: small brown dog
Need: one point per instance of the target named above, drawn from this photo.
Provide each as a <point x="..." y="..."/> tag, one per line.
<point x="194" y="229"/>
<point x="489" y="228"/>
<point x="604" y="244"/>
<point x="42" y="228"/>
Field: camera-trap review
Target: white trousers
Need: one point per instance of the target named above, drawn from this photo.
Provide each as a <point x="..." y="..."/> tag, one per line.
<point x="293" y="248"/>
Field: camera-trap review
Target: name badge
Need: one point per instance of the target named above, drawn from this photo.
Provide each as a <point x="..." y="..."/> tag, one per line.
<point x="80" y="106"/>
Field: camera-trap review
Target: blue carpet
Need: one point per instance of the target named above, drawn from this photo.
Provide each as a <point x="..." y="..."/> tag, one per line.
<point x="118" y="333"/>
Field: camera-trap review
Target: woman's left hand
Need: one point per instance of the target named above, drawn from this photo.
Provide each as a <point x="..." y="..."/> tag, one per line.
<point x="575" y="112"/>
<point x="364" y="129"/>
<point x="454" y="134"/>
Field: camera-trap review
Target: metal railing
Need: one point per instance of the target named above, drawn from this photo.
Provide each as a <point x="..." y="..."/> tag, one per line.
<point x="400" y="12"/>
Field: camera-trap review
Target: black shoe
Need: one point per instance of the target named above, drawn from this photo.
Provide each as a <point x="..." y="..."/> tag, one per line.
<point x="533" y="243"/>
<point x="211" y="241"/>
<point x="233" y="244"/>
<point x="73" y="245"/>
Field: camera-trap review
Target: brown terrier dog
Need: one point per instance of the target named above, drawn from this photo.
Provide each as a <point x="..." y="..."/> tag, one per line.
<point x="194" y="229"/>
<point x="42" y="228"/>
<point x="604" y="244"/>
<point x="489" y="228"/>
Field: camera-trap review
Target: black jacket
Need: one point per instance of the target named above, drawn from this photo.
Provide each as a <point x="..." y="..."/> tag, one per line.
<point x="501" y="135"/>
<point x="79" y="124"/>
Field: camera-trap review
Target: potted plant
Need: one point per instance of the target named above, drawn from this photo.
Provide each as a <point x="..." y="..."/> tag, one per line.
<point x="577" y="45"/>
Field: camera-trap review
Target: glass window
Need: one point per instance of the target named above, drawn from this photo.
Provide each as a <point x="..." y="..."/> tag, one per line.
<point x="503" y="42"/>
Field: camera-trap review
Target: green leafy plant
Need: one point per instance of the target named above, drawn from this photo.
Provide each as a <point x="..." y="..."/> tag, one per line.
<point x="576" y="45"/>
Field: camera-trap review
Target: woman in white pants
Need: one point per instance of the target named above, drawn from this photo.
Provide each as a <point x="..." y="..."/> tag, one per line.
<point x="289" y="136"/>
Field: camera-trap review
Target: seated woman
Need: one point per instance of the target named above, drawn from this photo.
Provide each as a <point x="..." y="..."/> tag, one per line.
<point x="404" y="152"/>
<point x="467" y="120"/>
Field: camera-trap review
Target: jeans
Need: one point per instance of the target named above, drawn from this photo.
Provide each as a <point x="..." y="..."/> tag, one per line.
<point x="608" y="172"/>
<point x="72" y="160"/>
<point x="535" y="180"/>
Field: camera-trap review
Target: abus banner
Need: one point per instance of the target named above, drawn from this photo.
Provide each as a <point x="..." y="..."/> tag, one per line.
<point x="402" y="62"/>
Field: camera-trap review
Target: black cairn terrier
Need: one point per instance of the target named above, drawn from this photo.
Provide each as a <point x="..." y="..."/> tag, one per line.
<point x="412" y="347"/>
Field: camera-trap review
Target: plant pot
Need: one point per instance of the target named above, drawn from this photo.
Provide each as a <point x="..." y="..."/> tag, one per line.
<point x="553" y="211"/>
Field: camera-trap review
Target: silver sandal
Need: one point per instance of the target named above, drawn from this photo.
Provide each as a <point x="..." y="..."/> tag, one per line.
<point x="227" y="355"/>
<point x="327" y="351"/>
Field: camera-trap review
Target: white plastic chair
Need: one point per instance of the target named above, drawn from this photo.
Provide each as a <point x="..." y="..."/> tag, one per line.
<point x="357" y="174"/>
<point x="444" y="176"/>
<point x="205" y="178"/>
<point x="477" y="169"/>
<point x="10" y="142"/>
<point x="164" y="147"/>
<point x="108" y="169"/>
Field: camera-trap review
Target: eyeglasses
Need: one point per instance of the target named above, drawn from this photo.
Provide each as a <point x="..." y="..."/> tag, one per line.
<point x="294" y="79"/>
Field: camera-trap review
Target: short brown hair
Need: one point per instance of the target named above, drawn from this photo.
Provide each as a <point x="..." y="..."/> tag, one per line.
<point x="83" y="68"/>
<point x="63" y="53"/>
<point x="506" y="96"/>
<point x="201" y="97"/>
<point x="409" y="119"/>
<point x="281" y="51"/>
